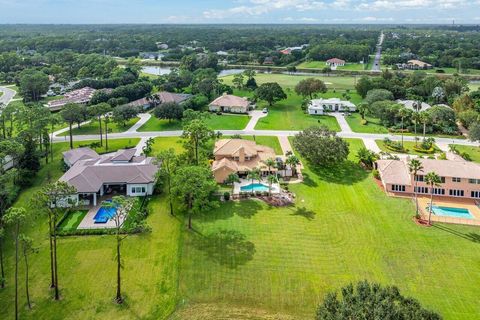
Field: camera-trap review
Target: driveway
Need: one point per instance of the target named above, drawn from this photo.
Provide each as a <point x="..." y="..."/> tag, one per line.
<point x="255" y="116"/>
<point x="7" y="95"/>
<point x="344" y="127"/>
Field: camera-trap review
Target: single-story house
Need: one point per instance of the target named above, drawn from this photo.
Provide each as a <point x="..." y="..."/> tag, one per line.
<point x="231" y="103"/>
<point x="320" y="106"/>
<point x="334" y="63"/>
<point x="414" y="65"/>
<point x="94" y="175"/>
<point x="80" y="96"/>
<point x="240" y="156"/>
<point x="268" y="61"/>
<point x="413" y="105"/>
<point x="159" y="98"/>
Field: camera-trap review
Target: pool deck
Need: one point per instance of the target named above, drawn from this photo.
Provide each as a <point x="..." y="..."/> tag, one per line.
<point x="424" y="203"/>
<point x="89" y="223"/>
<point x="244" y="182"/>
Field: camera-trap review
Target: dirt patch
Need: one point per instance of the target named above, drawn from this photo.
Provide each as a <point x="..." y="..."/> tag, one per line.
<point x="421" y="222"/>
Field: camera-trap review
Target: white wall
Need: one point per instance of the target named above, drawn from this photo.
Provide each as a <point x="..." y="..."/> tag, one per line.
<point x="148" y="189"/>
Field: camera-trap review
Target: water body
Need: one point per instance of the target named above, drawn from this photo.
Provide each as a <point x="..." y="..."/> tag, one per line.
<point x="156" y="70"/>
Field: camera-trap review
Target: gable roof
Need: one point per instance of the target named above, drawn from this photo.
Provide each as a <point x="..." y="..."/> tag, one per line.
<point x="335" y="60"/>
<point x="123" y="155"/>
<point x="229" y="100"/>
<point x="166" y="97"/>
<point x="394" y="172"/>
<point x="74" y="155"/>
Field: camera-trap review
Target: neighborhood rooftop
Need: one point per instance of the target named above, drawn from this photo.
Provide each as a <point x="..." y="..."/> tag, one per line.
<point x="81" y="96"/>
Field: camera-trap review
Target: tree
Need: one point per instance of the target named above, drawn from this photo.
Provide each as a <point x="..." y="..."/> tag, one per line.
<point x="293" y="162"/>
<point x="270" y="163"/>
<point x="55" y="199"/>
<point x="27" y="249"/>
<point x="123" y="114"/>
<point x="122" y="205"/>
<point x="168" y="164"/>
<point x="238" y="80"/>
<point x="33" y="84"/>
<point x="194" y="187"/>
<point x="363" y="86"/>
<point x="320" y="146"/>
<point x="2" y="271"/>
<point x="231" y="179"/>
<point x="402" y="113"/>
<point x="310" y="86"/>
<point x="362" y="109"/>
<point x="438" y="94"/>
<point x="424" y="117"/>
<point x="253" y="175"/>
<point x="197" y="133"/>
<point x="271" y="179"/>
<point x="415" y="166"/>
<point x="463" y="103"/>
<point x="251" y="84"/>
<point x="71" y="113"/>
<point x="106" y="120"/>
<point x="367" y="157"/>
<point x="433" y="180"/>
<point x="98" y="111"/>
<point x="148" y="147"/>
<point x="474" y="132"/>
<point x="375" y="95"/>
<point x="372" y="301"/>
<point x="14" y="217"/>
<point x="169" y="110"/>
<point x="270" y="92"/>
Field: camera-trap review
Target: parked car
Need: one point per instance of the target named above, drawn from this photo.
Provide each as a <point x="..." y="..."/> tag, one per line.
<point x="265" y="110"/>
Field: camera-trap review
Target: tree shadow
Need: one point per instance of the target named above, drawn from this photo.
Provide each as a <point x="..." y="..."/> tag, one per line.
<point x="308" y="181"/>
<point x="472" y="236"/>
<point x="347" y="172"/>
<point x="247" y="209"/>
<point x="304" y="212"/>
<point x="229" y="248"/>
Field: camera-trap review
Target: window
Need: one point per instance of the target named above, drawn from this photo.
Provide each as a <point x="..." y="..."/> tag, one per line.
<point x="236" y="158"/>
<point x="474" y="181"/>
<point x="419" y="178"/>
<point x="455" y="179"/>
<point x="398" y="188"/>
<point x="456" y="193"/>
<point x="443" y="179"/>
<point x="138" y="190"/>
<point x="475" y="194"/>
<point x="421" y="189"/>
<point x="247" y="158"/>
<point x="438" y="191"/>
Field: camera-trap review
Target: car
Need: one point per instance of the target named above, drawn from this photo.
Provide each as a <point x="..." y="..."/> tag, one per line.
<point x="265" y="110"/>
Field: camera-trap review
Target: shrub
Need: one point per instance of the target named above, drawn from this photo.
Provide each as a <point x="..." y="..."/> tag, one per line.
<point x="226" y="196"/>
<point x="442" y="156"/>
<point x="364" y="122"/>
<point x="466" y="156"/>
<point x="376" y="174"/>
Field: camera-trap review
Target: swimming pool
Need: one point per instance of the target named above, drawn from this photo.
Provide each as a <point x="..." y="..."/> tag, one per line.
<point x="104" y="214"/>
<point x="452" y="212"/>
<point x="254" y="187"/>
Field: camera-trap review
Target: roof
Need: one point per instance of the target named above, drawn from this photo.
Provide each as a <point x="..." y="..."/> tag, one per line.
<point x="318" y="102"/>
<point x="394" y="172"/>
<point x="409" y="104"/>
<point x="87" y="176"/>
<point x="81" y="96"/>
<point x="166" y="97"/>
<point x="419" y="63"/>
<point x="335" y="60"/>
<point x="123" y="155"/>
<point x="228" y="100"/>
<point x="74" y="155"/>
<point x="232" y="148"/>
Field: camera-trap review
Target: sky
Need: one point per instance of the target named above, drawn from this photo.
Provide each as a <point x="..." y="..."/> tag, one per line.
<point x="241" y="11"/>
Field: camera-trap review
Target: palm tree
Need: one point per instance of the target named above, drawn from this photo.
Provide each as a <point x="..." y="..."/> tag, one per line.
<point x="362" y="109"/>
<point x="106" y="119"/>
<point x="271" y="180"/>
<point x="416" y="119"/>
<point x="231" y="179"/>
<point x="415" y="166"/>
<point x="270" y="163"/>
<point x="433" y="180"/>
<point x="367" y="157"/>
<point x="27" y="249"/>
<point x="403" y="112"/>
<point x="254" y="175"/>
<point x="293" y="162"/>
<point x="424" y="118"/>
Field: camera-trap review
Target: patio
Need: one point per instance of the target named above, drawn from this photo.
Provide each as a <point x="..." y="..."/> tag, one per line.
<point x="473" y="208"/>
<point x="88" y="221"/>
<point x="237" y="188"/>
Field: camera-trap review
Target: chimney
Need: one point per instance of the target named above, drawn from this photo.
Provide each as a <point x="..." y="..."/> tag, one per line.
<point x="241" y="154"/>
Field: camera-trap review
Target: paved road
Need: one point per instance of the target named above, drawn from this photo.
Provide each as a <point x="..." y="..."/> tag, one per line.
<point x="378" y="54"/>
<point x="7" y="95"/>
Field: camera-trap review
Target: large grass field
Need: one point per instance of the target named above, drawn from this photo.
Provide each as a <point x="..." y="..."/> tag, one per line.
<point x="216" y="122"/>
<point x="93" y="127"/>
<point x="473" y="152"/>
<point x="373" y="125"/>
<point x="289" y="81"/>
<point x="321" y="64"/>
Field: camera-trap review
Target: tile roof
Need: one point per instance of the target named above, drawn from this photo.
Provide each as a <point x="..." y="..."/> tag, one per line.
<point x="229" y="100"/>
<point x="74" y="155"/>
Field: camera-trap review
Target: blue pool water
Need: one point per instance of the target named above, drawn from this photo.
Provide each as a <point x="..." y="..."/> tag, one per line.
<point x="104" y="214"/>
<point x="254" y="187"/>
<point x="452" y="212"/>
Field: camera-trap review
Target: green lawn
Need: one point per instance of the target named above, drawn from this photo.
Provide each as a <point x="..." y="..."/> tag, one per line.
<point x="260" y="262"/>
<point x="408" y="145"/>
<point x="373" y="125"/>
<point x="288" y="115"/>
<point x="216" y="122"/>
<point x="474" y="86"/>
<point x="93" y="128"/>
<point x="289" y="81"/>
<point x="321" y="65"/>
<point x="474" y="152"/>
<point x="72" y="221"/>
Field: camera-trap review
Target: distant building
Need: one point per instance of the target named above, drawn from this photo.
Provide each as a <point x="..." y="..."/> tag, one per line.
<point x="222" y="53"/>
<point x="80" y="96"/>
<point x="289" y="50"/>
<point x="159" y="98"/>
<point x="230" y="103"/>
<point x="334" y="63"/>
<point x="414" y="65"/>
<point x="162" y="46"/>
<point x="268" y="61"/>
<point x="413" y="105"/>
<point x="320" y="106"/>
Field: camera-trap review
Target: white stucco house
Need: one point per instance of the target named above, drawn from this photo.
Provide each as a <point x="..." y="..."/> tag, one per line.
<point x="122" y="172"/>
<point x="320" y="106"/>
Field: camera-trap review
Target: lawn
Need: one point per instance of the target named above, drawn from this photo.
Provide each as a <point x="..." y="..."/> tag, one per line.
<point x="321" y="65"/>
<point x="251" y="261"/>
<point x="93" y="128"/>
<point x="408" y="145"/>
<point x="473" y="152"/>
<point x="216" y="122"/>
<point x="288" y="115"/>
<point x="373" y="125"/>
<point x="72" y="220"/>
<point x="290" y="81"/>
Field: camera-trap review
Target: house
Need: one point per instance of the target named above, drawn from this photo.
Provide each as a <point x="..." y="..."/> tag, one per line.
<point x="268" y="61"/>
<point x="80" y="96"/>
<point x="460" y="179"/>
<point x="334" y="63"/>
<point x="94" y="176"/>
<point x="414" y="65"/>
<point x="320" y="106"/>
<point x="413" y="105"/>
<point x="178" y="98"/>
<point x="240" y="156"/>
<point x="231" y="103"/>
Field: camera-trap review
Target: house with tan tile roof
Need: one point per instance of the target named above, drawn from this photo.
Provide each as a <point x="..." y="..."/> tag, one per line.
<point x="122" y="172"/>
<point x="460" y="179"/>
<point x="240" y="156"/>
<point x="230" y="103"/>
